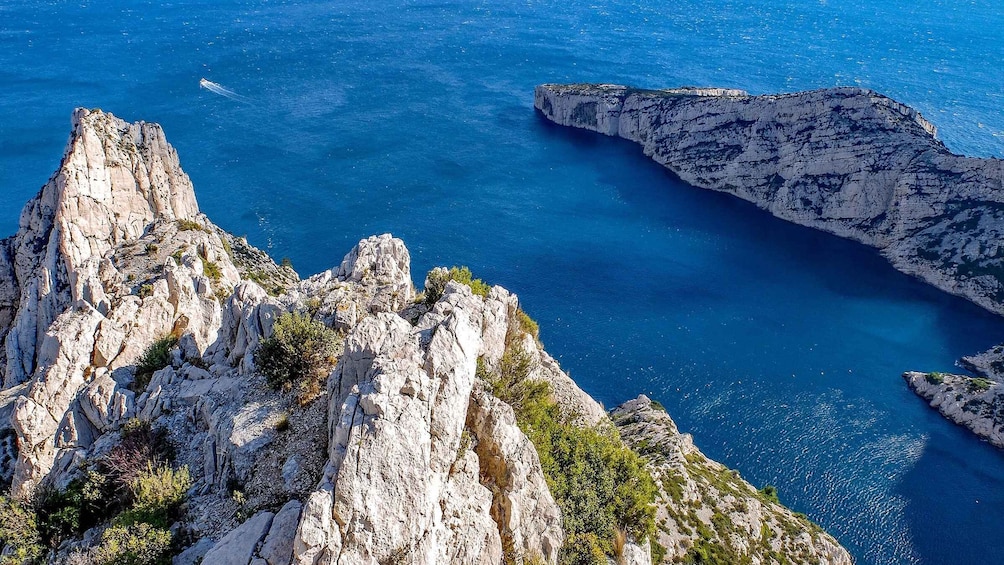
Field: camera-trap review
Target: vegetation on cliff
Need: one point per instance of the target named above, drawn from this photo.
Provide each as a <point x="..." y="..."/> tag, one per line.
<point x="605" y="494"/>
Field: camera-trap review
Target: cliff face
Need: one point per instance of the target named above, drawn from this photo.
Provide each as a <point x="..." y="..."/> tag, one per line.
<point x="844" y="160"/>
<point x="403" y="456"/>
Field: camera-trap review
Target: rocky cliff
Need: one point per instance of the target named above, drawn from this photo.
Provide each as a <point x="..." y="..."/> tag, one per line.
<point x="843" y="160"/>
<point x="133" y="330"/>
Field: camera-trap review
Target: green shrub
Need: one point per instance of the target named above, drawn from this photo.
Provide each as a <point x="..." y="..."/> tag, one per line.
<point x="978" y="384"/>
<point x="528" y="324"/>
<point x="511" y="382"/>
<point x="136" y="544"/>
<point x="601" y="486"/>
<point x="189" y="225"/>
<point x="935" y="378"/>
<point x="140" y="447"/>
<point x="283" y="423"/>
<point x="769" y="492"/>
<point x="300" y="352"/>
<point x="435" y="282"/>
<point x="155" y="358"/>
<point x="63" y="514"/>
<point x="145" y="290"/>
<point x="158" y="494"/>
<point x="20" y="540"/>
<point x="212" y="270"/>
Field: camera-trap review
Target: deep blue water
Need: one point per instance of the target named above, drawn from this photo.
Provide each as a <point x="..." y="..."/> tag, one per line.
<point x="779" y="348"/>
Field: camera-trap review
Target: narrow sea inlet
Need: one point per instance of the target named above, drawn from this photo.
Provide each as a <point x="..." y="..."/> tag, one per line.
<point x="779" y="348"/>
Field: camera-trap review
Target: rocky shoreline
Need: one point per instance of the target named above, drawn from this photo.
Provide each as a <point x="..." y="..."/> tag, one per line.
<point x="974" y="402"/>
<point x="847" y="161"/>
<point x="133" y="326"/>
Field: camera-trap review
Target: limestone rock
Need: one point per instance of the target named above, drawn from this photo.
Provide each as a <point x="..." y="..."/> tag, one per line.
<point x="974" y="402"/>
<point x="115" y="179"/>
<point x="63" y="357"/>
<point x="278" y="546"/>
<point x="240" y="545"/>
<point x="397" y="413"/>
<point x="694" y="489"/>
<point x="105" y="402"/>
<point x="528" y="518"/>
<point x="194" y="555"/>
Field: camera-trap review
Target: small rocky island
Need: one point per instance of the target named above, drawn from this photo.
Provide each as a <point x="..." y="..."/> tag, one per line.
<point x="847" y="161"/>
<point x="171" y="395"/>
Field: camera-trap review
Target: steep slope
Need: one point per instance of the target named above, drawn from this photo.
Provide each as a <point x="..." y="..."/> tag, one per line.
<point x="402" y="454"/>
<point x="707" y="512"/>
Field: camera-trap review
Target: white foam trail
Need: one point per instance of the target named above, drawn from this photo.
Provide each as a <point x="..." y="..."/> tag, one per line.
<point x="216" y="88"/>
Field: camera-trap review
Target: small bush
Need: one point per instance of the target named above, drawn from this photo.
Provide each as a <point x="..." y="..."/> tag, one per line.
<point x="286" y="263"/>
<point x="528" y="324"/>
<point x="935" y="378"/>
<point x="151" y="248"/>
<point x="158" y="494"/>
<point x="63" y="514"/>
<point x="978" y="384"/>
<point x="136" y="544"/>
<point x="212" y="270"/>
<point x="511" y="382"/>
<point x="769" y="492"/>
<point x="145" y="290"/>
<point x="300" y="352"/>
<point x="601" y="486"/>
<point x="141" y="447"/>
<point x="283" y="423"/>
<point x="20" y="540"/>
<point x="435" y="283"/>
<point x="189" y="225"/>
<point x="155" y="358"/>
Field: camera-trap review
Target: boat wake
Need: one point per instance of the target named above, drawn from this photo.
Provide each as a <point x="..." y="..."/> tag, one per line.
<point x="216" y="88"/>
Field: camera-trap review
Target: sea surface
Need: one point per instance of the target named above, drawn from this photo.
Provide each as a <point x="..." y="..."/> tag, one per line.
<point x="780" y="349"/>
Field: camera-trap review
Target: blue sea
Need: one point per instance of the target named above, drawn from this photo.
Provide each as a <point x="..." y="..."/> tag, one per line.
<point x="780" y="349"/>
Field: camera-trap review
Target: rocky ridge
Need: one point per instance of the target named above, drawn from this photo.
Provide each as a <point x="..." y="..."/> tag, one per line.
<point x="847" y="161"/>
<point x="404" y="457"/>
<point x="707" y="509"/>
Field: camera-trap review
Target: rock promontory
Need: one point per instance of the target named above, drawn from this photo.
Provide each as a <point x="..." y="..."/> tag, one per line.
<point x="847" y="161"/>
<point x="173" y="395"/>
